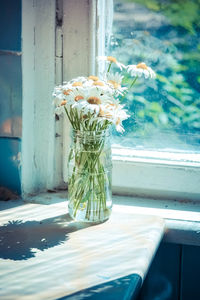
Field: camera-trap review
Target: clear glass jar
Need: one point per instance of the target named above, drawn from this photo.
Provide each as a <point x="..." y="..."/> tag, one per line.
<point x="90" y="176"/>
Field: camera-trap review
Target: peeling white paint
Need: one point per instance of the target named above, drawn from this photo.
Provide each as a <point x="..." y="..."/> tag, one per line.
<point x="38" y="74"/>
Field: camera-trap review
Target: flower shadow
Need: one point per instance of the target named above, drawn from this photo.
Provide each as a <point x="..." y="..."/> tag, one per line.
<point x="19" y="240"/>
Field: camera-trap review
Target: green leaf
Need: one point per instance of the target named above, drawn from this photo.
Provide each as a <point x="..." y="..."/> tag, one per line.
<point x="155" y="107"/>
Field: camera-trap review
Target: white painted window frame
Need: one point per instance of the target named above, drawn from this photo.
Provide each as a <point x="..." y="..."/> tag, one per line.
<point x="38" y="80"/>
<point x="45" y="139"/>
<point x="53" y="51"/>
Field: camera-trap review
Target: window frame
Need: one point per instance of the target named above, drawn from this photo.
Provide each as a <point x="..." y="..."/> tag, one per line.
<point x="38" y="79"/>
<point x="45" y="139"/>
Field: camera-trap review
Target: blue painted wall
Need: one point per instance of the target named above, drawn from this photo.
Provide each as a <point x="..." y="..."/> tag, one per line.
<point x="10" y="25"/>
<point x="10" y="96"/>
<point x="9" y="162"/>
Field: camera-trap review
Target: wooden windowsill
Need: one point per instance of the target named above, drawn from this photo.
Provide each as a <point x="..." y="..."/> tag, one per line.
<point x="46" y="255"/>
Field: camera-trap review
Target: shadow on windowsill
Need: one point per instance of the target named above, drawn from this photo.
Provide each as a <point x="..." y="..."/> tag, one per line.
<point x="19" y="240"/>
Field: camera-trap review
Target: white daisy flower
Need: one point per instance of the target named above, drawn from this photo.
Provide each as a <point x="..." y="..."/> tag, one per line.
<point x="104" y="89"/>
<point x="91" y="101"/>
<point x="88" y="84"/>
<point x="114" y="113"/>
<point x="119" y="114"/>
<point x="75" y="96"/>
<point x="94" y="99"/>
<point x="57" y="99"/>
<point x="121" y="117"/>
<point x="140" y="70"/>
<point x="59" y="110"/>
<point x="109" y="60"/>
<point x="99" y="92"/>
<point x="93" y="78"/>
<point x="74" y="83"/>
<point x="65" y="91"/>
<point x="115" y="80"/>
<point x="105" y="113"/>
<point x="80" y="79"/>
<point x="57" y="90"/>
<point x="79" y="107"/>
<point x="58" y="95"/>
<point x="83" y="82"/>
<point x="99" y="83"/>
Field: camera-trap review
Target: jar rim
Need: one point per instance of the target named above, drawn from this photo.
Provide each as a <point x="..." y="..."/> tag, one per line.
<point x="103" y="132"/>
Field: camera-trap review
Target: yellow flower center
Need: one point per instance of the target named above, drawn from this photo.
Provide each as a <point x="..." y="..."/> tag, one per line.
<point x="99" y="83"/>
<point x="112" y="59"/>
<point x="102" y="113"/>
<point x="94" y="78"/>
<point x="66" y="92"/>
<point x="79" y="97"/>
<point x="114" y="83"/>
<point x="94" y="100"/>
<point x="63" y="102"/>
<point x="78" y="83"/>
<point x="111" y="104"/>
<point x="142" y="66"/>
<point x="118" y="121"/>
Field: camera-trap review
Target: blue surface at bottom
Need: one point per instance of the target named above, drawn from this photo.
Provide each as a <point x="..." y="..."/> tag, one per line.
<point x="124" y="288"/>
<point x="10" y="149"/>
<point x="162" y="280"/>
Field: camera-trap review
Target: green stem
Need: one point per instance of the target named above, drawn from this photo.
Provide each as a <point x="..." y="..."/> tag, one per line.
<point x="133" y="82"/>
<point x="67" y="114"/>
<point x="88" y="181"/>
<point x="109" y="67"/>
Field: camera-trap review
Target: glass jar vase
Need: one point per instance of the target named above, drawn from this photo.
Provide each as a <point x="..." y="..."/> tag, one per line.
<point x="90" y="176"/>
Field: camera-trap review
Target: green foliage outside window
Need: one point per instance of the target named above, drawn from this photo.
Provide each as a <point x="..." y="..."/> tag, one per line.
<point x="172" y="101"/>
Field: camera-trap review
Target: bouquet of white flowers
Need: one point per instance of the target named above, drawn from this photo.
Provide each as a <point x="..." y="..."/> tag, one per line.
<point x="92" y="105"/>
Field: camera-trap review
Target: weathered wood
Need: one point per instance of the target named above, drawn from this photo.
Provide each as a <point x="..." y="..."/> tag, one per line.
<point x="38" y="73"/>
<point x="46" y="255"/>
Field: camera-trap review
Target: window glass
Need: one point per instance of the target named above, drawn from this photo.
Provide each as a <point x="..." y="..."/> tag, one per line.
<point x="165" y="112"/>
